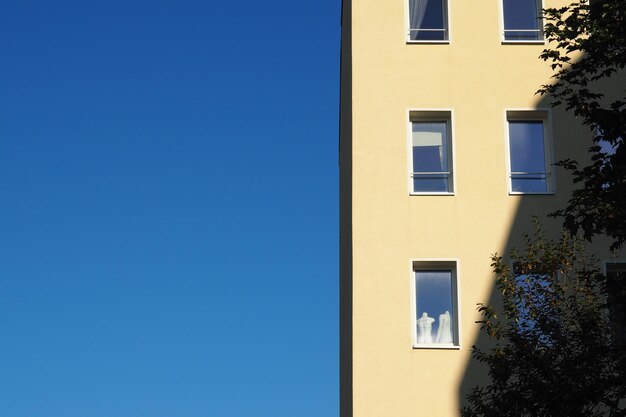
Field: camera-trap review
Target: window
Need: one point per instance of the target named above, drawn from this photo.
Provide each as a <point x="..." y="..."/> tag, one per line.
<point x="436" y="306"/>
<point x="529" y="276"/>
<point x="528" y="153"/>
<point x="428" y="20"/>
<point x="431" y="168"/>
<point x="522" y="21"/>
<point x="616" y="291"/>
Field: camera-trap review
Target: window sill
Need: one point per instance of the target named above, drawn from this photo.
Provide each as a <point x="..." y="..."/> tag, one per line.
<point x="427" y="42"/>
<point x="426" y="193"/>
<point x="519" y="193"/>
<point x="436" y="346"/>
<point x="524" y="42"/>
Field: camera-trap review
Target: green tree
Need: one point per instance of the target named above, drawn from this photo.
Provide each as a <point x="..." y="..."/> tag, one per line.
<point x="588" y="56"/>
<point x="552" y="352"/>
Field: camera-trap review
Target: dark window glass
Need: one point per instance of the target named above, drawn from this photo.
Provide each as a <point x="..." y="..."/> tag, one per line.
<point x="428" y="20"/>
<point x="431" y="171"/>
<point x="522" y="20"/>
<point x="528" y="157"/>
<point x="616" y="300"/>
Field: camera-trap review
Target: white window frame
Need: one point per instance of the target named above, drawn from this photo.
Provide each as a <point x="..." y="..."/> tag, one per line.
<point x="503" y="29"/>
<point x="431" y="115"/>
<point x="430" y="264"/>
<point x="407" y="25"/>
<point x="532" y="115"/>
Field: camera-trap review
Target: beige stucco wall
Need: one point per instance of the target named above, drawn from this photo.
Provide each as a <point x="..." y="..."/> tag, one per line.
<point x="477" y="77"/>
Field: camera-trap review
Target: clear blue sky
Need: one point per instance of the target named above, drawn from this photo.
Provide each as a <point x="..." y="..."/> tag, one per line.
<point x="168" y="208"/>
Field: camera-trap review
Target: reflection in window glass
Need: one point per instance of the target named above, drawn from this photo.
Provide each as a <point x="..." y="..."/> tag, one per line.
<point x="431" y="171"/>
<point x="528" y="157"/>
<point x="428" y="20"/>
<point x="522" y="20"/>
<point x="527" y="280"/>
<point x="605" y="147"/>
<point x="435" y="318"/>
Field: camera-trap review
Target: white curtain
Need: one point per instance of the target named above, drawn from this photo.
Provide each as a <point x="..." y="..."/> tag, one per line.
<point x="417" y="11"/>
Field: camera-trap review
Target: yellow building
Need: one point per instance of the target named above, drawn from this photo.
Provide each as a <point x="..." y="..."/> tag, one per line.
<point x="445" y="154"/>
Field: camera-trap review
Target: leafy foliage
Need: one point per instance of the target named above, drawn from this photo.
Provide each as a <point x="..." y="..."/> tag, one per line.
<point x="552" y="352"/>
<point x="589" y="53"/>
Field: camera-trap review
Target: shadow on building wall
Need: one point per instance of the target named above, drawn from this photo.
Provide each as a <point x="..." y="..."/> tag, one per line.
<point x="568" y="134"/>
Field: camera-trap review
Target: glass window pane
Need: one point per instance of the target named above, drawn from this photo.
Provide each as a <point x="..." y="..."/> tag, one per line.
<point x="606" y="147"/>
<point x="616" y="270"/>
<point x="434" y="16"/>
<point x="430" y="156"/>
<point x="527" y="146"/>
<point x="527" y="279"/>
<point x="528" y="185"/>
<point x="616" y="290"/>
<point x="523" y="35"/>
<point x="435" y="318"/>
<point x="521" y="14"/>
<point x="429" y="183"/>
<point x="528" y="156"/>
<point x="522" y="20"/>
<point x="428" y="20"/>
<point x="429" y="147"/>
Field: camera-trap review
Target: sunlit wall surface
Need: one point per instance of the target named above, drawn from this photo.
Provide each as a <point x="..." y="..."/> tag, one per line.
<point x="446" y="153"/>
